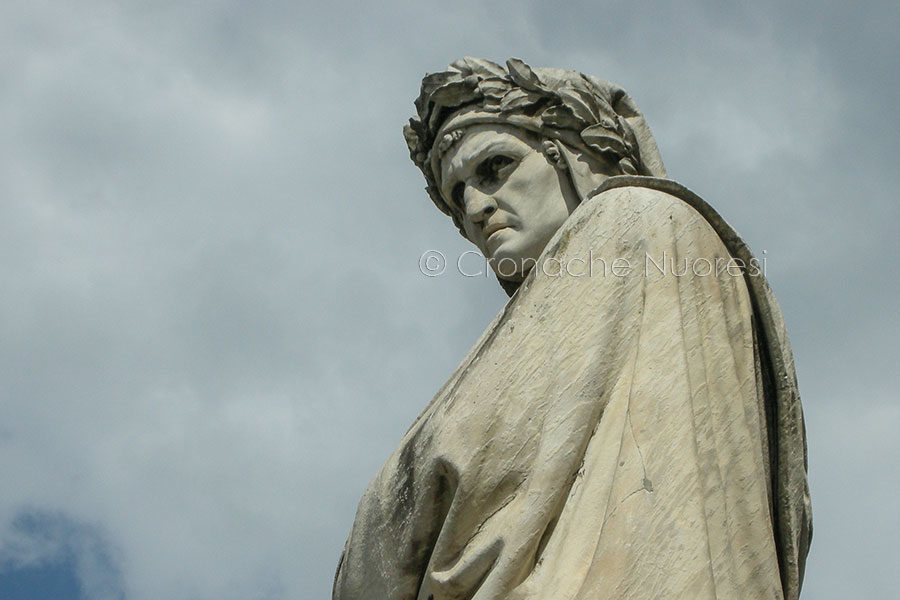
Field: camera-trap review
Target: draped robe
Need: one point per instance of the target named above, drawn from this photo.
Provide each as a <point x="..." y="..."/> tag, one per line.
<point x="611" y="435"/>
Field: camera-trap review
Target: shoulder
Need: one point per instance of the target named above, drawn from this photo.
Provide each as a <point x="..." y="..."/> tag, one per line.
<point x="637" y="208"/>
<point x="645" y="196"/>
<point x="635" y="217"/>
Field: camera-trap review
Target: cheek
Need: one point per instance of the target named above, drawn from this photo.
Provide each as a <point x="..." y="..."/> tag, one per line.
<point x="532" y="189"/>
<point x="542" y="200"/>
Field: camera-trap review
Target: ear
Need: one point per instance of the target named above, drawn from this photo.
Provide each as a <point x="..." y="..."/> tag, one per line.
<point x="550" y="149"/>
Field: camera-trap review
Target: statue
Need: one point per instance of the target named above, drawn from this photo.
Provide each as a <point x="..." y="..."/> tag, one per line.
<point x="629" y="425"/>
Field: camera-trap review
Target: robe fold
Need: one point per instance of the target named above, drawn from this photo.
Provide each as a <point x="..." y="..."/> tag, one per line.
<point x="627" y="427"/>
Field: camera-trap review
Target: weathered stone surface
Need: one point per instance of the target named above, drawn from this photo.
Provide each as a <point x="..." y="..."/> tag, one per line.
<point x="629" y="425"/>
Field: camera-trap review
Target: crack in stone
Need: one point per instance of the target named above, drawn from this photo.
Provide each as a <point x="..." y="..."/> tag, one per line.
<point x="648" y="485"/>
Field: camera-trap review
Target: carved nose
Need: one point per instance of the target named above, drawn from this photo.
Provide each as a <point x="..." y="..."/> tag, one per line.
<point x="479" y="206"/>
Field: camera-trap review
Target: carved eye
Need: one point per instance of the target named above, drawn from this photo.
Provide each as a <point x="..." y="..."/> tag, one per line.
<point x="500" y="161"/>
<point x="491" y="169"/>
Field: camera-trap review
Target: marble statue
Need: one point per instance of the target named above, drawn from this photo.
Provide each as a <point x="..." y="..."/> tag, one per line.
<point x="629" y="425"/>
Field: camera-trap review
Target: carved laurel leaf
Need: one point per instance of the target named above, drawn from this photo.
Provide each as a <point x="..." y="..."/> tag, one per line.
<point x="412" y="139"/>
<point x="603" y="140"/>
<point x="562" y="117"/>
<point x="517" y="98"/>
<point x="481" y="67"/>
<point x="433" y="81"/>
<point x="523" y="76"/>
<point x="416" y="125"/>
<point x="455" y="93"/>
<point x="627" y="167"/>
<point x="493" y="87"/>
<point x="607" y="118"/>
<point x="581" y="104"/>
<point x="461" y="66"/>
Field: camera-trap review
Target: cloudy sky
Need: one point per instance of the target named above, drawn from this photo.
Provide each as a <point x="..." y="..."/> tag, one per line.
<point x="213" y="328"/>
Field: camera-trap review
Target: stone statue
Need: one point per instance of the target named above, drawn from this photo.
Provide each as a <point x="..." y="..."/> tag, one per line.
<point x="629" y="425"/>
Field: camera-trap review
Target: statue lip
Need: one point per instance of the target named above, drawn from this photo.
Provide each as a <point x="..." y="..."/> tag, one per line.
<point x="492" y="228"/>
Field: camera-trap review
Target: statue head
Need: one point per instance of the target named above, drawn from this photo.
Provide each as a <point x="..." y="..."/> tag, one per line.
<point x="509" y="153"/>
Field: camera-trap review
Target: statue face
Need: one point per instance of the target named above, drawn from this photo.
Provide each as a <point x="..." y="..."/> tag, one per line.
<point x="511" y="197"/>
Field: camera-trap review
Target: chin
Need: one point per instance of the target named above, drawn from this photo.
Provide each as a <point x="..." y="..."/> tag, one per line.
<point x="508" y="261"/>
